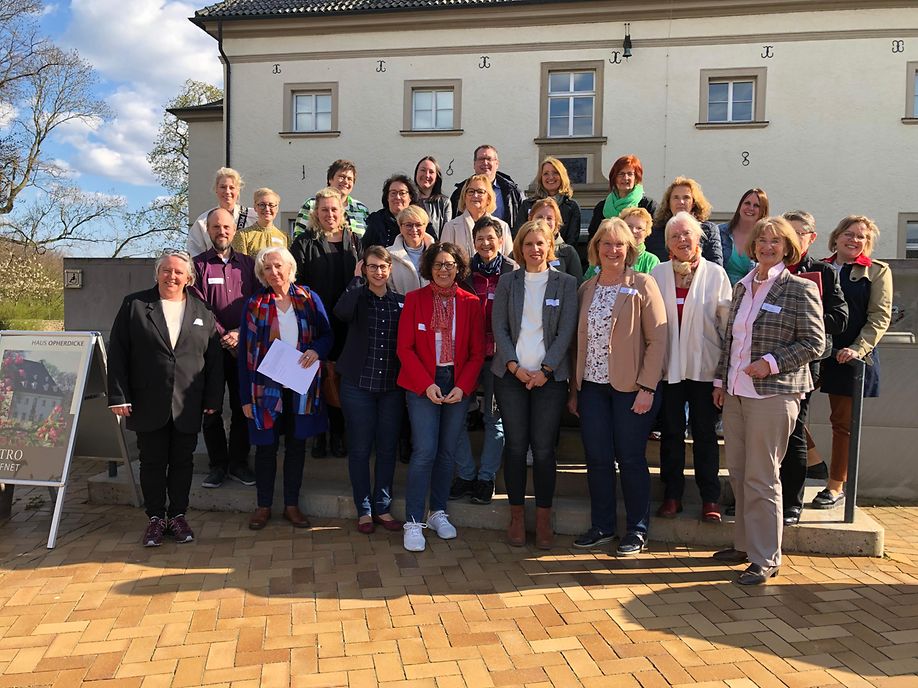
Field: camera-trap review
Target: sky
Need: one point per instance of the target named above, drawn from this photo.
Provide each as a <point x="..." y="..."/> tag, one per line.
<point x="142" y="51"/>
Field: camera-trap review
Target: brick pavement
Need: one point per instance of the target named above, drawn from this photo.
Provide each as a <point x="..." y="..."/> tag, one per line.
<point x="334" y="608"/>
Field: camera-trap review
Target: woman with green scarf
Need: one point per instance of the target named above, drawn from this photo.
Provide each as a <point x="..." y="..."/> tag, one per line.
<point x="625" y="191"/>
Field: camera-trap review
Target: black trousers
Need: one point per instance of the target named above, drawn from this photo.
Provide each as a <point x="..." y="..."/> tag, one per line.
<point x="166" y="467"/>
<point x="793" y="465"/>
<point x="236" y="453"/>
<point x="705" y="452"/>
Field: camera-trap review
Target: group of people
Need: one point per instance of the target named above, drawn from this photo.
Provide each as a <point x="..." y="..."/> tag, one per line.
<point x="407" y="312"/>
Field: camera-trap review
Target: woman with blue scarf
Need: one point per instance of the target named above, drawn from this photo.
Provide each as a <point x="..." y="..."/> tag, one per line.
<point x="295" y="315"/>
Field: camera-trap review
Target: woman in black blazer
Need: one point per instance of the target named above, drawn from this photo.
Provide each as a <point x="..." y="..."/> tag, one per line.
<point x="534" y="320"/>
<point x="165" y="370"/>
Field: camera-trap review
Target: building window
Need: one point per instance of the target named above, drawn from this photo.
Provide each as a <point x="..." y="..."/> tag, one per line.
<point x="908" y="235"/>
<point x="911" y="93"/>
<point x="432" y="107"/>
<point x="310" y="109"/>
<point x="576" y="168"/>
<point x="571" y="99"/>
<point x="732" y="97"/>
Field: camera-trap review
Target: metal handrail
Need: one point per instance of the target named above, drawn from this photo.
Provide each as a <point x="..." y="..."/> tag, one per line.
<point x="854" y="446"/>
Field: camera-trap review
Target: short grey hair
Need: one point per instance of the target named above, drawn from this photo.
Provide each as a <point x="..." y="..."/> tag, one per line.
<point x="286" y="258"/>
<point x="183" y="256"/>
<point x="687" y="219"/>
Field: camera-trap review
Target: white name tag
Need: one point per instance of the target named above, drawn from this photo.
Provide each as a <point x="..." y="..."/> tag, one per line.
<point x="552" y="302"/>
<point x="771" y="308"/>
<point x="490" y="297"/>
<point x="680" y="302"/>
<point x="627" y="290"/>
<point x="422" y="327"/>
<point x="215" y="280"/>
<point x="277" y="241"/>
<point x="401" y="305"/>
<point x="554" y="263"/>
<point x="199" y="322"/>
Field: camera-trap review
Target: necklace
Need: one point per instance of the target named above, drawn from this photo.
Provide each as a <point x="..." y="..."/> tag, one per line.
<point x="759" y="281"/>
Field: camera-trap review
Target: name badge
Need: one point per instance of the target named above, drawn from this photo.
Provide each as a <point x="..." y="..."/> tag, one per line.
<point x="554" y="263"/>
<point x="680" y="302"/>
<point x="552" y="302"/>
<point x="422" y="327"/>
<point x="627" y="290"/>
<point x="198" y="322"/>
<point x="490" y="297"/>
<point x="401" y="305"/>
<point x="277" y="241"/>
<point x="215" y="280"/>
<point x="771" y="308"/>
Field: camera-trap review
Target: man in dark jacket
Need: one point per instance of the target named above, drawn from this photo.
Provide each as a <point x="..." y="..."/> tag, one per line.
<point x="835" y="319"/>
<point x="506" y="192"/>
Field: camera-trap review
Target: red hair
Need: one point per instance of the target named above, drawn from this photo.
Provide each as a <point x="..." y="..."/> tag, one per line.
<point x="626" y="161"/>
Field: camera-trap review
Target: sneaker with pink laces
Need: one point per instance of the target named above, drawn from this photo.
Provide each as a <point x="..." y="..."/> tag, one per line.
<point x="180" y="529"/>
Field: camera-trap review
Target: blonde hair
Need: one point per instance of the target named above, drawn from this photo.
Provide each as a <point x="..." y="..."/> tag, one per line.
<point x="547" y="202"/>
<point x="565" y="188"/>
<point x="780" y="227"/>
<point x="232" y="174"/>
<point x="873" y="232"/>
<point x="327" y="192"/>
<point x="701" y="208"/>
<point x="265" y="191"/>
<point x="616" y="228"/>
<point x="492" y="202"/>
<point x="413" y="212"/>
<point x="641" y="213"/>
<point x="540" y="226"/>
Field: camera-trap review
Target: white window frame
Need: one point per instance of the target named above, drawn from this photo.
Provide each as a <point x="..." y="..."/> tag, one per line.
<point x="291" y="91"/>
<point x="570" y="95"/>
<point x="756" y="75"/>
<point x="431" y="85"/>
<point x="911" y="93"/>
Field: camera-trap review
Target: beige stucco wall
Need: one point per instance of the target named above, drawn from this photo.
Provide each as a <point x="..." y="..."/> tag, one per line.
<point x="205" y="156"/>
<point x="834" y="143"/>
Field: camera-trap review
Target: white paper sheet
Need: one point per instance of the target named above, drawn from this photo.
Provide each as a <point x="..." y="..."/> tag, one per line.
<point x="282" y="364"/>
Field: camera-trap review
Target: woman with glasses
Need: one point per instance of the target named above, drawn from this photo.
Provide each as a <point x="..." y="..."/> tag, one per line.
<point x="165" y="371"/>
<point x="382" y="227"/>
<point x="626" y="190"/>
<point x="476" y="199"/>
<point x="553" y="182"/>
<point x="408" y="248"/>
<point x="263" y="233"/>
<point x="429" y="179"/>
<point x="326" y="256"/>
<point x="295" y="315"/>
<point x="441" y="349"/>
<point x="371" y="399"/>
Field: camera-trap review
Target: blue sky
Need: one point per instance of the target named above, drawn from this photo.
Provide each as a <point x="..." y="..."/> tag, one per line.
<point x="143" y="51"/>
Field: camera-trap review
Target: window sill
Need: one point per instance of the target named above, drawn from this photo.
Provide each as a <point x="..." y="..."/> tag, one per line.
<point x="732" y="125"/>
<point x="309" y="134"/>
<point x="910" y="120"/>
<point x="546" y="140"/>
<point x="431" y="132"/>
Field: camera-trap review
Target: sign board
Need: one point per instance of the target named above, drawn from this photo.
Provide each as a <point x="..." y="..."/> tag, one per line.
<point x="53" y="407"/>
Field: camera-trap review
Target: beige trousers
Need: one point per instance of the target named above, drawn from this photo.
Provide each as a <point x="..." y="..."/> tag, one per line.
<point x="755" y="441"/>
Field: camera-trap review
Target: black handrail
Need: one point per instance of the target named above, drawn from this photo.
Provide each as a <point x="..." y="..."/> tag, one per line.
<point x="854" y="446"/>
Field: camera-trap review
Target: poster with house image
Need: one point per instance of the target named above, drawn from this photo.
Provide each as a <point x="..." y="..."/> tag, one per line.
<point x="38" y="379"/>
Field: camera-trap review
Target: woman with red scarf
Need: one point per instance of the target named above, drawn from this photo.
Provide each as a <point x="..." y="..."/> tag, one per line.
<point x="295" y="315"/>
<point x="441" y="347"/>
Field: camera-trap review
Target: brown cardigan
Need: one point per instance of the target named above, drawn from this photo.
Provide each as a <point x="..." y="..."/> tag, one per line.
<point x="638" y="342"/>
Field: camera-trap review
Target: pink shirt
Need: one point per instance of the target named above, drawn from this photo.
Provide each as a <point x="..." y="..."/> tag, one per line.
<point x="738" y="382"/>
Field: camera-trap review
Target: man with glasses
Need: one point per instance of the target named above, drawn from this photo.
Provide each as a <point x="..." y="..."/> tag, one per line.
<point x="507" y="194"/>
<point x="341" y="175"/>
<point x="224" y="280"/>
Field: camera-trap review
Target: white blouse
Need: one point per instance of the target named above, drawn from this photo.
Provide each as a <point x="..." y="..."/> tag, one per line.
<point x="289" y="330"/>
<point x="530" y="345"/>
<point x="174" y="312"/>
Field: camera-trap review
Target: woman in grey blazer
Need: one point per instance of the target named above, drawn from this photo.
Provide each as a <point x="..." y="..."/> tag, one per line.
<point x="534" y="320"/>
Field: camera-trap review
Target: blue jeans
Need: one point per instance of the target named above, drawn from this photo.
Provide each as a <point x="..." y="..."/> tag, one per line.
<point x="612" y="433"/>
<point x="492" y="450"/>
<point x="533" y="417"/>
<point x="372" y="417"/>
<point x="435" y="430"/>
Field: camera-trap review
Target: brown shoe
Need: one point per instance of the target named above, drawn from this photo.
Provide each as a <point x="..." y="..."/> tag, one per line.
<point x="296" y="517"/>
<point x="516" y="531"/>
<point x="669" y="508"/>
<point x="710" y="512"/>
<point x="545" y="536"/>
<point x="260" y="518"/>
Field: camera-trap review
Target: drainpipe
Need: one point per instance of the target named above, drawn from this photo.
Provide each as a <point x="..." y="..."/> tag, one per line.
<point x="228" y="72"/>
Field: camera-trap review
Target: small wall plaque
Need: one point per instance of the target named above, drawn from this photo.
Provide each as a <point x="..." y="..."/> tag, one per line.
<point x="73" y="279"/>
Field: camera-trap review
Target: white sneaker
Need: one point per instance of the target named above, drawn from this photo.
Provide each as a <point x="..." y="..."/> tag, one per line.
<point x="439" y="522"/>
<point x="413" y="539"/>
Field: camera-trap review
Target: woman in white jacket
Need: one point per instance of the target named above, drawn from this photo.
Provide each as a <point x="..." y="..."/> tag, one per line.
<point x="407" y="249"/>
<point x="476" y="199"/>
<point x="697" y="295"/>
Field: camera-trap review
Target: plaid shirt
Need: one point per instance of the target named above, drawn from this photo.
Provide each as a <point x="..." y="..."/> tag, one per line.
<point x="380" y="370"/>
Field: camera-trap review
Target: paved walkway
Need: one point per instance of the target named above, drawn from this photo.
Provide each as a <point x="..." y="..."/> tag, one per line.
<point x="331" y="607"/>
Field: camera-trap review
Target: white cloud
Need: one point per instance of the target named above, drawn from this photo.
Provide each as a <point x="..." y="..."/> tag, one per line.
<point x="7" y="114"/>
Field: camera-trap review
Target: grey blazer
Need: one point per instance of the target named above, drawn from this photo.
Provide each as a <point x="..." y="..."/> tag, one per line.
<point x="559" y="322"/>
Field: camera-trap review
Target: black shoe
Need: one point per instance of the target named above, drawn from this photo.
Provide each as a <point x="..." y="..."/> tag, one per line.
<point x="730" y="510"/>
<point x="215" y="478"/>
<point x="792" y="515"/>
<point x="462" y="488"/>
<point x="730" y="556"/>
<point x="818" y="471"/>
<point x="318" y="447"/>
<point x="242" y="474"/>
<point x="593" y="538"/>
<point x="757" y="575"/>
<point x="338" y="446"/>
<point x="827" y="499"/>
<point x="631" y="544"/>
<point x="404" y="450"/>
<point x="483" y="492"/>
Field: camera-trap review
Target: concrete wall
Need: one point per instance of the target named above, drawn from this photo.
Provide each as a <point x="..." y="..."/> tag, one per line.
<point x="205" y="156"/>
<point x="834" y="102"/>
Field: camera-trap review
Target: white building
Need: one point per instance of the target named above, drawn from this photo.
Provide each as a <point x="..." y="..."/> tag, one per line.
<point x="809" y="99"/>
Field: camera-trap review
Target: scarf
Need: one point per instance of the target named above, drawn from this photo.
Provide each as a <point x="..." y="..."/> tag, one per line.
<point x="685" y="270"/>
<point x="263" y="329"/>
<point x="490" y="268"/>
<point x="861" y="260"/>
<point x="442" y="321"/>
<point x="615" y="205"/>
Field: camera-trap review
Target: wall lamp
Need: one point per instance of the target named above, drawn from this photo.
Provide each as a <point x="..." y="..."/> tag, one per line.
<point x="626" y="44"/>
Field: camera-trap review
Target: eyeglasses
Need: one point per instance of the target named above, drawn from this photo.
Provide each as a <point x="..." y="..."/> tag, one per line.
<point x="399" y="194"/>
<point x="476" y="192"/>
<point x="412" y="225"/>
<point x="266" y="206"/>
<point x="180" y="253"/>
<point x="487" y="158"/>
<point x="374" y="267"/>
<point x="344" y="178"/>
<point x="444" y="266"/>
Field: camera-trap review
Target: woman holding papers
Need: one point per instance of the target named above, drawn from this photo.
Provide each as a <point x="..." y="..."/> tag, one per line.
<point x="773" y="331"/>
<point x="293" y="315"/>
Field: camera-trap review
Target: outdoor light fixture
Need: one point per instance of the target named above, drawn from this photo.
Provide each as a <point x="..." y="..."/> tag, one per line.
<point x="626" y="44"/>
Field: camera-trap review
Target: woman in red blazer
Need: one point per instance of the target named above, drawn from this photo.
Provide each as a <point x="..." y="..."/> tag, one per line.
<point x="441" y="348"/>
